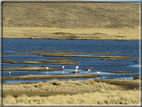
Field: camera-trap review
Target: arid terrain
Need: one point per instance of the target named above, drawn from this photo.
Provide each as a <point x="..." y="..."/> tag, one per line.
<point x="91" y="21"/>
<point x="113" y="91"/>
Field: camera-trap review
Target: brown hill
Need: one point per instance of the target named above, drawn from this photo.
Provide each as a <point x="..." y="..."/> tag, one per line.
<point x="71" y="15"/>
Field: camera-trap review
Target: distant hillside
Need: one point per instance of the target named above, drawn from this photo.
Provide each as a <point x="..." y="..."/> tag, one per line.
<point x="71" y="15"/>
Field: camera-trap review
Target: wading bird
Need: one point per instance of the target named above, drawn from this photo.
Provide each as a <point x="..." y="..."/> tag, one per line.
<point x="9" y="73"/>
<point x="63" y="67"/>
<point x="98" y="72"/>
<point x="89" y="70"/>
<point x="77" y="67"/>
<point x="47" y="67"/>
<point x="76" y="71"/>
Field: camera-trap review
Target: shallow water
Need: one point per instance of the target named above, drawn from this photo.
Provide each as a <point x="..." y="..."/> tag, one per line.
<point x="126" y="48"/>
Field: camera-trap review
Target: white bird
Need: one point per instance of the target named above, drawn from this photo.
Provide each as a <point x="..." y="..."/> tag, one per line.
<point x="89" y="70"/>
<point x="63" y="67"/>
<point x="47" y="67"/>
<point x="9" y="72"/>
<point x="77" y="67"/>
<point x="98" y="72"/>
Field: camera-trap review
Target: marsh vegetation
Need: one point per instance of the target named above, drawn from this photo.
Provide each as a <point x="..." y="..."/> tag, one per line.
<point x="30" y="77"/>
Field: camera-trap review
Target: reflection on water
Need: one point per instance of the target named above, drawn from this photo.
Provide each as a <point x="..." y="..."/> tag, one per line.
<point x="126" y="48"/>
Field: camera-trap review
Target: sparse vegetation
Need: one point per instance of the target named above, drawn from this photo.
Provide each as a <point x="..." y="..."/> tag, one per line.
<point x="30" y="69"/>
<point x="72" y="92"/>
<point x="55" y="82"/>
<point x="111" y="20"/>
<point x="135" y="61"/>
<point x="69" y="52"/>
<point x="138" y="77"/>
<point x="31" y="77"/>
<point x="110" y="15"/>
<point x="72" y="37"/>
<point x="53" y="62"/>
<point x="115" y="58"/>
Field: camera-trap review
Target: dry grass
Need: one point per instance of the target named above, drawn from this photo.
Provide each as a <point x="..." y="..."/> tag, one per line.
<point x="48" y="33"/>
<point x="70" y="92"/>
<point x="30" y="69"/>
<point x="55" y="82"/>
<point x="31" y="77"/>
<point x="93" y="21"/>
<point x="53" y="62"/>
<point x="70" y="16"/>
<point x="102" y="97"/>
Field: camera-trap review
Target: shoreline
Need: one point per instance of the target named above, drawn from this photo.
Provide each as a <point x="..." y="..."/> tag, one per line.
<point x="127" y="34"/>
<point x="78" y="39"/>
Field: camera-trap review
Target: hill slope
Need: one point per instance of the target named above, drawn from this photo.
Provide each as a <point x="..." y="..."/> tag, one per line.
<point x="71" y="15"/>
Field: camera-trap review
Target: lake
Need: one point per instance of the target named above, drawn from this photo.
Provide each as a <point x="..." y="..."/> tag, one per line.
<point x="126" y="48"/>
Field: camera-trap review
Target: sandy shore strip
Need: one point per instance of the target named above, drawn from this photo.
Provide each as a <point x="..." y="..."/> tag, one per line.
<point x="78" y="34"/>
<point x="110" y="91"/>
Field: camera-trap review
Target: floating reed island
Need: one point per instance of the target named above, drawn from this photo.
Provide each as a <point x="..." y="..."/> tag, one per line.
<point x="71" y="52"/>
<point x="30" y="69"/>
<point x="82" y="56"/>
<point x="119" y="72"/>
<point x="138" y="77"/>
<point x="85" y="56"/>
<point x="115" y="58"/>
<point x="88" y="69"/>
<point x="50" y="62"/>
<point x="32" y="77"/>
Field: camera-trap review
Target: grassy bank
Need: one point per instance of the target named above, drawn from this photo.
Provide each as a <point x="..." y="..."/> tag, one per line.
<point x="85" y="34"/>
<point x="73" y="92"/>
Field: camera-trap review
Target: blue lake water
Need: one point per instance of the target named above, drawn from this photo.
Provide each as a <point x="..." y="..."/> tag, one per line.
<point x="126" y="48"/>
